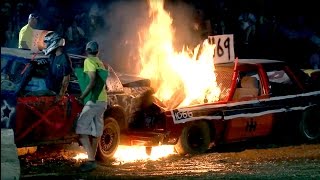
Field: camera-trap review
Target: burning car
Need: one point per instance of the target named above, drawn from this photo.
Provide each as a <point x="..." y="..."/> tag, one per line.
<point x="29" y="108"/>
<point x="259" y="98"/>
<point x="184" y="99"/>
<point x="207" y="97"/>
<point x="256" y="98"/>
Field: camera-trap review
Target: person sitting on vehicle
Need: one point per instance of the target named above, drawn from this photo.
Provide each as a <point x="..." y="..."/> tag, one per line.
<point x="26" y="32"/>
<point x="60" y="67"/>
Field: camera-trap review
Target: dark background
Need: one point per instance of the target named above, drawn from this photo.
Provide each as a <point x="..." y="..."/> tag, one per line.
<point x="289" y="16"/>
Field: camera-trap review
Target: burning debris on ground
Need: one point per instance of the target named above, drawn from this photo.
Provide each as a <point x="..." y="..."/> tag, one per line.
<point x="274" y="162"/>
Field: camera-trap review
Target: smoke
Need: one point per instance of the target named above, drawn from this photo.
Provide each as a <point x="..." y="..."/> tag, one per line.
<point x="125" y="22"/>
<point x="184" y="22"/>
<point x="119" y="38"/>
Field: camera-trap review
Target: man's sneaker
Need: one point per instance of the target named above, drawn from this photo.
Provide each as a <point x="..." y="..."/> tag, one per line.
<point x="88" y="166"/>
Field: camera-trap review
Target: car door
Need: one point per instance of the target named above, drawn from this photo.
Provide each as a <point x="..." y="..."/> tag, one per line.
<point x="12" y="75"/>
<point x="285" y="98"/>
<point x="258" y="121"/>
<point x="245" y="117"/>
<point x="41" y="117"/>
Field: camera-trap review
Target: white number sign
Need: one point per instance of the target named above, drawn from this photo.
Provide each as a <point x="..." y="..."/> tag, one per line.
<point x="224" y="50"/>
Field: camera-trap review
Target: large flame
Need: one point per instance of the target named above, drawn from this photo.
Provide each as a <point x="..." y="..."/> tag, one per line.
<point x="178" y="78"/>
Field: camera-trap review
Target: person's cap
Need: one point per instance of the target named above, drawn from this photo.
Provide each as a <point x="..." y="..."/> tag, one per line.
<point x="92" y="47"/>
<point x="33" y="15"/>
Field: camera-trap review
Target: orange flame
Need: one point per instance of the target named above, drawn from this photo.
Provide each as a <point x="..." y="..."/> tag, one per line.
<point x="179" y="79"/>
<point x="81" y="156"/>
<point x="126" y="154"/>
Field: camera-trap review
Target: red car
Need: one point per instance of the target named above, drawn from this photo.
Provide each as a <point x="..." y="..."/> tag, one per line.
<point x="259" y="98"/>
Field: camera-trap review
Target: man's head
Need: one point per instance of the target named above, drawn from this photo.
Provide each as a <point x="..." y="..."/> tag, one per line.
<point x="52" y="41"/>
<point x="33" y="20"/>
<point x="92" y="48"/>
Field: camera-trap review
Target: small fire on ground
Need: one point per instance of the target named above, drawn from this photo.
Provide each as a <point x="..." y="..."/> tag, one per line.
<point x="127" y="154"/>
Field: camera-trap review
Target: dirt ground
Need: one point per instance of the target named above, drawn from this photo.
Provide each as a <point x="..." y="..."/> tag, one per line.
<point x="244" y="161"/>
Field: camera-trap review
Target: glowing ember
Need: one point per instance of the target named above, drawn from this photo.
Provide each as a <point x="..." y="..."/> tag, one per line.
<point x="127" y="154"/>
<point x="179" y="79"/>
<point x="81" y="156"/>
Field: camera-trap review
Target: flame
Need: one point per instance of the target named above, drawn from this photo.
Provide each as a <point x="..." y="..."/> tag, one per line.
<point x="178" y="78"/>
<point x="81" y="156"/>
<point x="125" y="154"/>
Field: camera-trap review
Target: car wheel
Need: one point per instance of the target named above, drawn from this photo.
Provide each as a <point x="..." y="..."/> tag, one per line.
<point x="309" y="125"/>
<point x="109" y="141"/>
<point x="194" y="139"/>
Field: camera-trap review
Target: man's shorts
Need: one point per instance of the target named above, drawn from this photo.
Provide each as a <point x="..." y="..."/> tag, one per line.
<point x="90" y="121"/>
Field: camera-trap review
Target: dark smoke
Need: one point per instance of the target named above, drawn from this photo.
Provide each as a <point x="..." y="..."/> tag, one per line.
<point x="183" y="16"/>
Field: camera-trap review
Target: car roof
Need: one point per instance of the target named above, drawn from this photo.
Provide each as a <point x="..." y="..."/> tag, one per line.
<point x="244" y="62"/>
<point x="28" y="54"/>
<point x="258" y="61"/>
<point x="23" y="53"/>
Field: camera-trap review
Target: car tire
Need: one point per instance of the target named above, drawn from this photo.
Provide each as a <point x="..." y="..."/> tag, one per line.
<point x="109" y="141"/>
<point x="309" y="126"/>
<point x="194" y="139"/>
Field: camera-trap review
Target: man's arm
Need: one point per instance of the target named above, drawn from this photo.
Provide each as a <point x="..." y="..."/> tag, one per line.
<point x="64" y="85"/>
<point x="66" y="77"/>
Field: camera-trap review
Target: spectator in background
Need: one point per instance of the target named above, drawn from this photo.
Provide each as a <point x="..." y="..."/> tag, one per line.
<point x="60" y="29"/>
<point x="84" y="23"/>
<point x="76" y="38"/>
<point x="6" y="15"/>
<point x="248" y="25"/>
<point x="245" y="35"/>
<point x="315" y="59"/>
<point x="266" y="35"/>
<point x="26" y="33"/>
<point x="18" y="21"/>
<point x="11" y="37"/>
<point x="221" y="19"/>
<point x="75" y="33"/>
